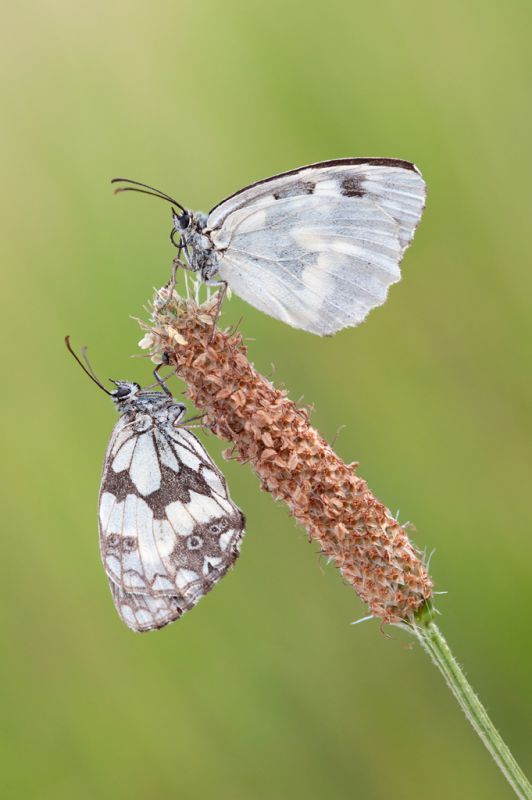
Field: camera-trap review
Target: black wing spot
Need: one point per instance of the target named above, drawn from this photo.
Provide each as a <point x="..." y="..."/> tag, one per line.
<point x="176" y="605"/>
<point x="295" y="190"/>
<point x="129" y="543"/>
<point x="352" y="186"/>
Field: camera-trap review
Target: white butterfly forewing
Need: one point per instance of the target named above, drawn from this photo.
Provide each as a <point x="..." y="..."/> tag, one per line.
<point x="319" y="247"/>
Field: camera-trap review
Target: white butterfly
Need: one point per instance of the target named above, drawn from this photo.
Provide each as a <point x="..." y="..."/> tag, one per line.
<point x="316" y="247"/>
<point x="168" y="528"/>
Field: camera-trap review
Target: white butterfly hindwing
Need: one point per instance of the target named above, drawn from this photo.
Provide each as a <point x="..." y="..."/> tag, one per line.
<point x="143" y="612"/>
<point x="168" y="529"/>
<point x="319" y="247"/>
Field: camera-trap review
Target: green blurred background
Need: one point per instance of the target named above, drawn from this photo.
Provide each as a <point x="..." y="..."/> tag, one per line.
<point x="265" y="691"/>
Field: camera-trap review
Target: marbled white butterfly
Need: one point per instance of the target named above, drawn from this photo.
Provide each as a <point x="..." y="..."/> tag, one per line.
<point x="316" y="247"/>
<point x="168" y="528"/>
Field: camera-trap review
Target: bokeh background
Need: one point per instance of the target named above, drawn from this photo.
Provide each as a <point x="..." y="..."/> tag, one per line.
<point x="265" y="691"/>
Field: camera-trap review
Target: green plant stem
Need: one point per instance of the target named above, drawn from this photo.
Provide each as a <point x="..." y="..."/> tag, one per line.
<point x="434" y="644"/>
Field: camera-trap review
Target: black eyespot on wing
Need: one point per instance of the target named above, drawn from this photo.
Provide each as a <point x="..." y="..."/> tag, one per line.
<point x="352" y="186"/>
<point x="216" y="527"/>
<point x="194" y="542"/>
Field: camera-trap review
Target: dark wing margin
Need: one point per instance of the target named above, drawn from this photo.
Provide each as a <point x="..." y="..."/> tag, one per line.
<point x="335" y="162"/>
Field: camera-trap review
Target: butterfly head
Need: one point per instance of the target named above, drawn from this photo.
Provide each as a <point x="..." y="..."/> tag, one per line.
<point x="130" y="398"/>
<point x="181" y="221"/>
<point x="125" y="390"/>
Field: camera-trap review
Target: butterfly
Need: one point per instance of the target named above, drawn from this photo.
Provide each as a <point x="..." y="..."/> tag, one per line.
<point x="316" y="247"/>
<point x="168" y="528"/>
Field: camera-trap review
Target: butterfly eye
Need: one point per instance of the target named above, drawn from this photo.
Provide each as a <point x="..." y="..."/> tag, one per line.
<point x="122" y="392"/>
<point x="183" y="221"/>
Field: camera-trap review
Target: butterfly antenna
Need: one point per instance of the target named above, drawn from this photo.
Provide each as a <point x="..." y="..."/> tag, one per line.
<point x="145" y="190"/>
<point x="86" y="367"/>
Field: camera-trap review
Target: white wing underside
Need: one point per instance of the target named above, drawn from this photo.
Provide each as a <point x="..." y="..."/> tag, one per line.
<point x="143" y="612"/>
<point x="319" y="248"/>
<point x="160" y="492"/>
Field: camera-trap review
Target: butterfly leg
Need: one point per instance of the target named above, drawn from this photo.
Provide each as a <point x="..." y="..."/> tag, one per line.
<point x="186" y="422"/>
<point x="179" y="245"/>
<point x="221" y="297"/>
<point x="182" y="247"/>
<point x="171" y="284"/>
<point x="161" y="381"/>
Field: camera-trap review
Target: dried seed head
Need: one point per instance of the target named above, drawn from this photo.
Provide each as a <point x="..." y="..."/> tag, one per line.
<point x="291" y="459"/>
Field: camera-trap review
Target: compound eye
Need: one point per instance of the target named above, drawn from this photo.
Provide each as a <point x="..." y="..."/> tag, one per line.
<point x="122" y="392"/>
<point x="184" y="220"/>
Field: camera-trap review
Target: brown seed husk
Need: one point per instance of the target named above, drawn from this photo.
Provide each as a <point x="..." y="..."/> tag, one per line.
<point x="293" y="462"/>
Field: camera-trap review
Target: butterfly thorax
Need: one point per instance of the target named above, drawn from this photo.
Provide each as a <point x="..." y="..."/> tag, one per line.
<point x="134" y="402"/>
<point x="199" y="252"/>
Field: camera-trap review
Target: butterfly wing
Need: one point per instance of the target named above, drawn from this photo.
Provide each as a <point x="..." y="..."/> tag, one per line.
<point x="168" y="529"/>
<point x="319" y="247"/>
<point x="143" y="612"/>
